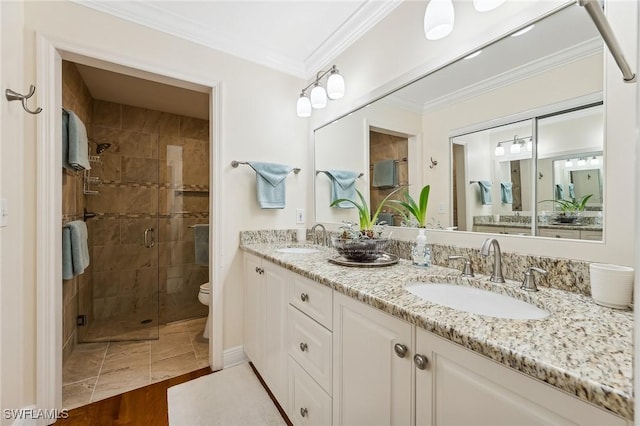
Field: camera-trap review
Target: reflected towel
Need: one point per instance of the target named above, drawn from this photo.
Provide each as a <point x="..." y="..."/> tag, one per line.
<point x="343" y="185"/>
<point x="386" y="218"/>
<point x="201" y="243"/>
<point x="75" y="143"/>
<point x="559" y="192"/>
<point x="485" y="192"/>
<point x="384" y="174"/>
<point x="270" y="184"/>
<point x="572" y="191"/>
<point x="75" y="249"/>
<point x="506" y="192"/>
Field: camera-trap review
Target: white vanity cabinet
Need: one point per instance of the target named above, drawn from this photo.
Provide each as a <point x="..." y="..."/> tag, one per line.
<point x="458" y="386"/>
<point x="372" y="365"/>
<point x="266" y="296"/>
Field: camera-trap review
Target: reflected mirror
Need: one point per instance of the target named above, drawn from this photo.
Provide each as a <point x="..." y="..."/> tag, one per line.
<point x="520" y="95"/>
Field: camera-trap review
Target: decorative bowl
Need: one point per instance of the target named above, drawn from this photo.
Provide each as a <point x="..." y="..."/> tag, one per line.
<point x="360" y="249"/>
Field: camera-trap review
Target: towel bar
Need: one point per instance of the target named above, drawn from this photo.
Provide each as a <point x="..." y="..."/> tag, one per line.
<point x="235" y="164"/>
<point x="325" y="171"/>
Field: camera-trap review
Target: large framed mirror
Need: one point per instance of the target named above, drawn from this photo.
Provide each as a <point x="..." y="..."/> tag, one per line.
<point x="520" y="92"/>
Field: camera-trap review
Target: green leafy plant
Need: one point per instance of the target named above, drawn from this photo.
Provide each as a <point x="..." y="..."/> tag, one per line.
<point x="572" y="205"/>
<point x="417" y="210"/>
<point x="367" y="221"/>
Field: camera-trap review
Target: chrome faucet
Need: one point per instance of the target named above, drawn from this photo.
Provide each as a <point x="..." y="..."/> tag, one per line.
<point x="496" y="275"/>
<point x="467" y="269"/>
<point x="529" y="281"/>
<point x="315" y="236"/>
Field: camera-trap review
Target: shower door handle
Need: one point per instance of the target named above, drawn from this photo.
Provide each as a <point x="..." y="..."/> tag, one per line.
<point x="149" y="237"/>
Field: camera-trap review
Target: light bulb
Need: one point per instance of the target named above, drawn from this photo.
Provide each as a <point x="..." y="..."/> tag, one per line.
<point x="595" y="161"/>
<point x="568" y="163"/>
<point x="515" y="148"/>
<point x="318" y="97"/>
<point x="486" y="5"/>
<point x="439" y="18"/>
<point x="499" y="150"/>
<point x="303" y="106"/>
<point x="335" y="85"/>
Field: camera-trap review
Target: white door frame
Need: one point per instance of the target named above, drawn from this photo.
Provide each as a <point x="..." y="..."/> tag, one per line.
<point x="50" y="51"/>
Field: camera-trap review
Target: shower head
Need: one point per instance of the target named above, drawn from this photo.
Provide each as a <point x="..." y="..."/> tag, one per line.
<point x="102" y="147"/>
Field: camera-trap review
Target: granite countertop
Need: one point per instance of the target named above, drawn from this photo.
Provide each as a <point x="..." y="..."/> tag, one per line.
<point x="552" y="225"/>
<point x="581" y="348"/>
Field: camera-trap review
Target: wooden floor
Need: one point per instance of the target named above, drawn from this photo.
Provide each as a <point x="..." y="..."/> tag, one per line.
<point x="146" y="406"/>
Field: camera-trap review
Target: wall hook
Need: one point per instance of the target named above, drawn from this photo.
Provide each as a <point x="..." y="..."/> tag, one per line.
<point x="15" y="96"/>
<point x="433" y="163"/>
<point x="540" y="175"/>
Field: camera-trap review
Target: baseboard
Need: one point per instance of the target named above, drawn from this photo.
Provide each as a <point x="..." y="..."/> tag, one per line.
<point x="233" y="356"/>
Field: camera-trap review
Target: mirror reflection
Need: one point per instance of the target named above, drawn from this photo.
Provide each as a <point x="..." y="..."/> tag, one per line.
<point x="515" y="99"/>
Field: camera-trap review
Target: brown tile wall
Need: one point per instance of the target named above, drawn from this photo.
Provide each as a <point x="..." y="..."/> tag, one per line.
<point x="154" y="175"/>
<point x="386" y="147"/>
<point x="76" y="291"/>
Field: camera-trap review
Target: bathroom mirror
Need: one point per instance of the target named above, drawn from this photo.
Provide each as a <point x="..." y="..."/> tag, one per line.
<point x="524" y="80"/>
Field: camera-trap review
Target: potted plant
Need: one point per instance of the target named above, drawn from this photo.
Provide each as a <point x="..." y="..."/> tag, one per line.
<point x="417" y="210"/>
<point x="570" y="209"/>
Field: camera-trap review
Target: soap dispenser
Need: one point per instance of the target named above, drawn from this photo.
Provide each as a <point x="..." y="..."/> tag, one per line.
<point x="420" y="252"/>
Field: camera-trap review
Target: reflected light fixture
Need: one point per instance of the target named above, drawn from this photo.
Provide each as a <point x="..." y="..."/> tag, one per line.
<point x="581" y="162"/>
<point x="595" y="161"/>
<point x="516" y="146"/>
<point x="439" y="18"/>
<point x="319" y="96"/>
<point x="473" y="55"/>
<point x="529" y="145"/>
<point x="523" y="31"/>
<point x="487" y="5"/>
<point x="499" y="150"/>
<point x="568" y="163"/>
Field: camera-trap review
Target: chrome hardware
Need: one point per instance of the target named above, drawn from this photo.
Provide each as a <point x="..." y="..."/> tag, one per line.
<point x="304" y="347"/>
<point x="529" y="281"/>
<point x="400" y="349"/>
<point x="12" y="95"/>
<point x="148" y="243"/>
<point x="485" y="249"/>
<point x="421" y="361"/>
<point x="325" y="240"/>
<point x="467" y="269"/>
<point x="304" y="297"/>
<point x="259" y="270"/>
<point x="304" y="412"/>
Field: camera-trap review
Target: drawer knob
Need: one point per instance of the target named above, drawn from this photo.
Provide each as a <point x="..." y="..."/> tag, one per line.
<point x="304" y="412"/>
<point x="303" y="347"/>
<point x="421" y="361"/>
<point x="304" y="297"/>
<point x="400" y="349"/>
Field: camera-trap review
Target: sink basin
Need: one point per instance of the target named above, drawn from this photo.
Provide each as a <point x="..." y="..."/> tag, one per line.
<point x="297" y="250"/>
<point x="475" y="300"/>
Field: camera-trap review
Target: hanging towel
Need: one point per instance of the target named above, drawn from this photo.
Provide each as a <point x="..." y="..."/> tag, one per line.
<point x="270" y="184"/>
<point x="506" y="192"/>
<point x="75" y="249"/>
<point x="343" y="185"/>
<point x="384" y="174"/>
<point x="485" y="192"/>
<point x="559" y="192"/>
<point x="201" y="243"/>
<point x="572" y="191"/>
<point x="386" y="218"/>
<point x="75" y="143"/>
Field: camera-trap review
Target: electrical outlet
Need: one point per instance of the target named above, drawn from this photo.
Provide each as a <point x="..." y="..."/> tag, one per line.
<point x="299" y="216"/>
<point x="441" y="208"/>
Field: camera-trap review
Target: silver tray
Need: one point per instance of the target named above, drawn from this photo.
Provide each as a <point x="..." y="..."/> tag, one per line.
<point x="386" y="259"/>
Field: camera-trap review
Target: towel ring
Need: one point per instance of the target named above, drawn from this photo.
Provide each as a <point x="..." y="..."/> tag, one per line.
<point x="15" y="96"/>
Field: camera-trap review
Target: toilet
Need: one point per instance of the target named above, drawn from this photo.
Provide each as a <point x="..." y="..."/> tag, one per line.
<point x="203" y="297"/>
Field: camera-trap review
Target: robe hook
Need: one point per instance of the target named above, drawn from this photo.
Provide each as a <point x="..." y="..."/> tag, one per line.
<point x="433" y="163"/>
<point x="15" y="96"/>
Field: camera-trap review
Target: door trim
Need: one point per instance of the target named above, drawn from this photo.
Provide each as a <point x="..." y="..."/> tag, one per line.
<point x="50" y="52"/>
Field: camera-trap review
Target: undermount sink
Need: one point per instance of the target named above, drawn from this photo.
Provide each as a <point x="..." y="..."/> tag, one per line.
<point x="297" y="250"/>
<point x="475" y="300"/>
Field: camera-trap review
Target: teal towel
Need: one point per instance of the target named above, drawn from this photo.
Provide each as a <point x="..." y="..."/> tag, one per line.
<point x="75" y="247"/>
<point x="75" y="143"/>
<point x="559" y="192"/>
<point x="572" y="191"/>
<point x="270" y="184"/>
<point x="506" y="192"/>
<point x="201" y="243"/>
<point x="384" y="174"/>
<point x="485" y="192"/>
<point x="343" y="185"/>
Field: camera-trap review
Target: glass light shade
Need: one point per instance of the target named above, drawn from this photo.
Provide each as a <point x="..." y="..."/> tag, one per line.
<point x="568" y="163"/>
<point x="487" y="5"/>
<point x="303" y="106"/>
<point x="529" y="146"/>
<point x="439" y="18"/>
<point x="335" y="86"/>
<point x="595" y="161"/>
<point x="499" y="150"/>
<point x="318" y="97"/>
<point x="581" y="162"/>
<point x="515" y="148"/>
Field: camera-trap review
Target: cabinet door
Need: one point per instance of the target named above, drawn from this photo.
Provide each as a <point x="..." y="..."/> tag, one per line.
<point x="253" y="310"/>
<point x="372" y="384"/>
<point x="459" y="387"/>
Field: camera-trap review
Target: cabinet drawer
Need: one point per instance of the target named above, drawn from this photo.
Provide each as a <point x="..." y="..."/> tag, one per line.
<point x="313" y="299"/>
<point x="311" y="345"/>
<point x="560" y="233"/>
<point x="308" y="403"/>
<point x="591" y="235"/>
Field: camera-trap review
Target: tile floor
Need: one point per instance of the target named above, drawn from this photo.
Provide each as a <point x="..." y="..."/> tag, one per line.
<point x="96" y="371"/>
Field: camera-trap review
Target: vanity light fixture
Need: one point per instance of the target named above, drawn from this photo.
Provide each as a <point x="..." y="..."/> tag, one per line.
<point x="581" y="162"/>
<point x="529" y="146"/>
<point x="499" y="150"/>
<point x="487" y="5"/>
<point x="439" y="18"/>
<point x="568" y="163"/>
<point x="594" y="161"/>
<point x="319" y="96"/>
<point x="515" y="148"/>
<point x="523" y="31"/>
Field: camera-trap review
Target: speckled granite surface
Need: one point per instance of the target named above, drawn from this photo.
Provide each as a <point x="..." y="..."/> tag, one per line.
<point x="582" y="348"/>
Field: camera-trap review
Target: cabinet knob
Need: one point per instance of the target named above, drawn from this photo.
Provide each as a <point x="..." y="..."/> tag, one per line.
<point x="304" y="412"/>
<point x="400" y="349"/>
<point x="303" y="347"/>
<point x="304" y="297"/>
<point x="421" y="361"/>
